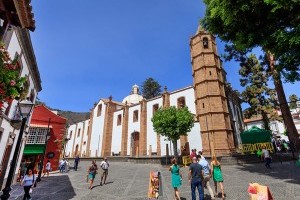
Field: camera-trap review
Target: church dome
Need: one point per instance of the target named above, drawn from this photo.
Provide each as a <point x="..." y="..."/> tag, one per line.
<point x="134" y="96"/>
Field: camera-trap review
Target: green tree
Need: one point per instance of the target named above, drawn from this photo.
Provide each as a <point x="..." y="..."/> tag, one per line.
<point x="150" y="88"/>
<point x="257" y="94"/>
<point x="173" y="122"/>
<point x="293" y="101"/>
<point x="272" y="25"/>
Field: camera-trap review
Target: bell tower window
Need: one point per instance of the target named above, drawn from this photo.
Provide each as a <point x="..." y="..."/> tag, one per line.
<point x="205" y="43"/>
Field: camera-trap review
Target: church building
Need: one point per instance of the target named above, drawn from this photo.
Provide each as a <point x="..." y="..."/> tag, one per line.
<point x="125" y="128"/>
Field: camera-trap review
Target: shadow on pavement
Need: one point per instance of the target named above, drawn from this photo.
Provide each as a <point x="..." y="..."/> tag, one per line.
<point x="52" y="187"/>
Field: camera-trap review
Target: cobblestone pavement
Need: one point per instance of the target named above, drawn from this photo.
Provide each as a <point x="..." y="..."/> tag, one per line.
<point x="130" y="181"/>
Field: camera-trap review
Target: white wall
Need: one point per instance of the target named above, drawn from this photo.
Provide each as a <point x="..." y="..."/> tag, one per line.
<point x="133" y="126"/>
<point x="69" y="145"/>
<point x="117" y="132"/>
<point x="97" y="131"/>
<point x="151" y="134"/>
<point x="194" y="137"/>
<point x="85" y="137"/>
<point x="189" y="98"/>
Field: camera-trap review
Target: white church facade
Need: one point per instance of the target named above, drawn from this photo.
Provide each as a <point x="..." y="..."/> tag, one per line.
<point x="125" y="128"/>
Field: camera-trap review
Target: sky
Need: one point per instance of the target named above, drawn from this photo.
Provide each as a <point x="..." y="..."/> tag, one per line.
<point x="87" y="50"/>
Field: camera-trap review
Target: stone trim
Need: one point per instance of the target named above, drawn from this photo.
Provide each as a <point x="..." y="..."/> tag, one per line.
<point x="125" y="131"/>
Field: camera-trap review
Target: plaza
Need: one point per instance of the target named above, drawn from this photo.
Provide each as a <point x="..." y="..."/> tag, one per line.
<point x="130" y="181"/>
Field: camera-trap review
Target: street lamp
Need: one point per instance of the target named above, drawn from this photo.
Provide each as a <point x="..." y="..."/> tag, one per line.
<point x="24" y="107"/>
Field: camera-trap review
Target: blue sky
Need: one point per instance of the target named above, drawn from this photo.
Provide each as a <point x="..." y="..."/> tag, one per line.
<point x="87" y="51"/>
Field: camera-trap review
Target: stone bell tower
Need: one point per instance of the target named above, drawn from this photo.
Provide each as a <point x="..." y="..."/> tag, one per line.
<point x="210" y="98"/>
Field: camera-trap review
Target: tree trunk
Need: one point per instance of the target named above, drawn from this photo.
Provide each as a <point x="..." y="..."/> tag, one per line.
<point x="266" y="121"/>
<point x="175" y="149"/>
<point x="286" y="114"/>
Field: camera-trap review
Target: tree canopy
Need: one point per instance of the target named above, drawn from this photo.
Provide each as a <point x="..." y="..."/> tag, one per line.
<point x="293" y="101"/>
<point x="150" y="88"/>
<point x="257" y="94"/>
<point x="273" y="25"/>
<point x="172" y="123"/>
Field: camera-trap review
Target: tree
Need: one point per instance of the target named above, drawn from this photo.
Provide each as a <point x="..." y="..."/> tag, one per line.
<point x="272" y="25"/>
<point x="150" y="88"/>
<point x="173" y="122"/>
<point x="257" y="94"/>
<point x="293" y="101"/>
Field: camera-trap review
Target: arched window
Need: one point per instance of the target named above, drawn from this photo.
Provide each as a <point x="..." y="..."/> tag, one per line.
<point x="205" y="43"/>
<point x="181" y="102"/>
<point x="99" y="110"/>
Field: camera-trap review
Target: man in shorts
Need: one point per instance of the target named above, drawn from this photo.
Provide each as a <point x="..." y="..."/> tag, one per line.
<point x="104" y="170"/>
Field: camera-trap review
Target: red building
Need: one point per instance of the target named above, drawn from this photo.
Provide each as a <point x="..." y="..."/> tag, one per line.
<point x="45" y="123"/>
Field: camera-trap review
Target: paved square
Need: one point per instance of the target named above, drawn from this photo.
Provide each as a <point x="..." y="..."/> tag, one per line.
<point x="130" y="181"/>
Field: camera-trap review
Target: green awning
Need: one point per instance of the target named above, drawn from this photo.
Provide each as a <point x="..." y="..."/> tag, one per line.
<point x="256" y="135"/>
<point x="34" y="149"/>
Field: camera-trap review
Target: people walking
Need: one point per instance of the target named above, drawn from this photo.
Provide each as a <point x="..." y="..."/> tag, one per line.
<point x="62" y="164"/>
<point x="217" y="175"/>
<point x="76" y="161"/>
<point x="48" y="168"/>
<point x="195" y="178"/>
<point x="206" y="175"/>
<point x="266" y="156"/>
<point x="28" y="183"/>
<point x="104" y="170"/>
<point x="92" y="170"/>
<point x="176" y="177"/>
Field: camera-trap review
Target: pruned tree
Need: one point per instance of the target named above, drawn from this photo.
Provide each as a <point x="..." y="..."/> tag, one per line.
<point x="272" y="25"/>
<point x="172" y="123"/>
<point x="150" y="88"/>
<point x="257" y="94"/>
<point x="293" y="101"/>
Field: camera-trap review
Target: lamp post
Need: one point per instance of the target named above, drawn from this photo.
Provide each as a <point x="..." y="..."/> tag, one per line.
<point x="24" y="108"/>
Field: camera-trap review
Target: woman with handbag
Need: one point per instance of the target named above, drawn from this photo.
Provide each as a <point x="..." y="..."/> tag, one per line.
<point x="28" y="182"/>
<point x="92" y="173"/>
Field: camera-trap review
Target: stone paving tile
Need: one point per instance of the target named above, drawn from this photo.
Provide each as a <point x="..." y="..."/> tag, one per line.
<point x="128" y="181"/>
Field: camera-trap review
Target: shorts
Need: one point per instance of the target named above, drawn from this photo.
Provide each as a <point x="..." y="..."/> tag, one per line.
<point x="104" y="172"/>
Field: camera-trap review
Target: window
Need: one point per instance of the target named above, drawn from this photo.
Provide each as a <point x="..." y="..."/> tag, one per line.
<point x="210" y="73"/>
<point x="205" y="43"/>
<point x="181" y="102"/>
<point x="155" y="108"/>
<point x="135" y="116"/>
<point x="203" y="105"/>
<point x="78" y="133"/>
<point x="37" y="135"/>
<point x="119" y="120"/>
<point x="71" y="134"/>
<point x="99" y="110"/>
<point x="298" y="104"/>
<point x="84" y="142"/>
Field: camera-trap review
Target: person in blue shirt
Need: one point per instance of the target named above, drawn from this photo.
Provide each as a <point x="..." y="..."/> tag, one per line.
<point x="28" y="183"/>
<point x="195" y="178"/>
<point x="206" y="175"/>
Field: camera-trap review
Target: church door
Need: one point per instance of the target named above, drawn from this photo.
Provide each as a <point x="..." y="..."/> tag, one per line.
<point x="135" y="136"/>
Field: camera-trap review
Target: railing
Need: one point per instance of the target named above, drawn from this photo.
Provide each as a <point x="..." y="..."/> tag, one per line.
<point x="253" y="148"/>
